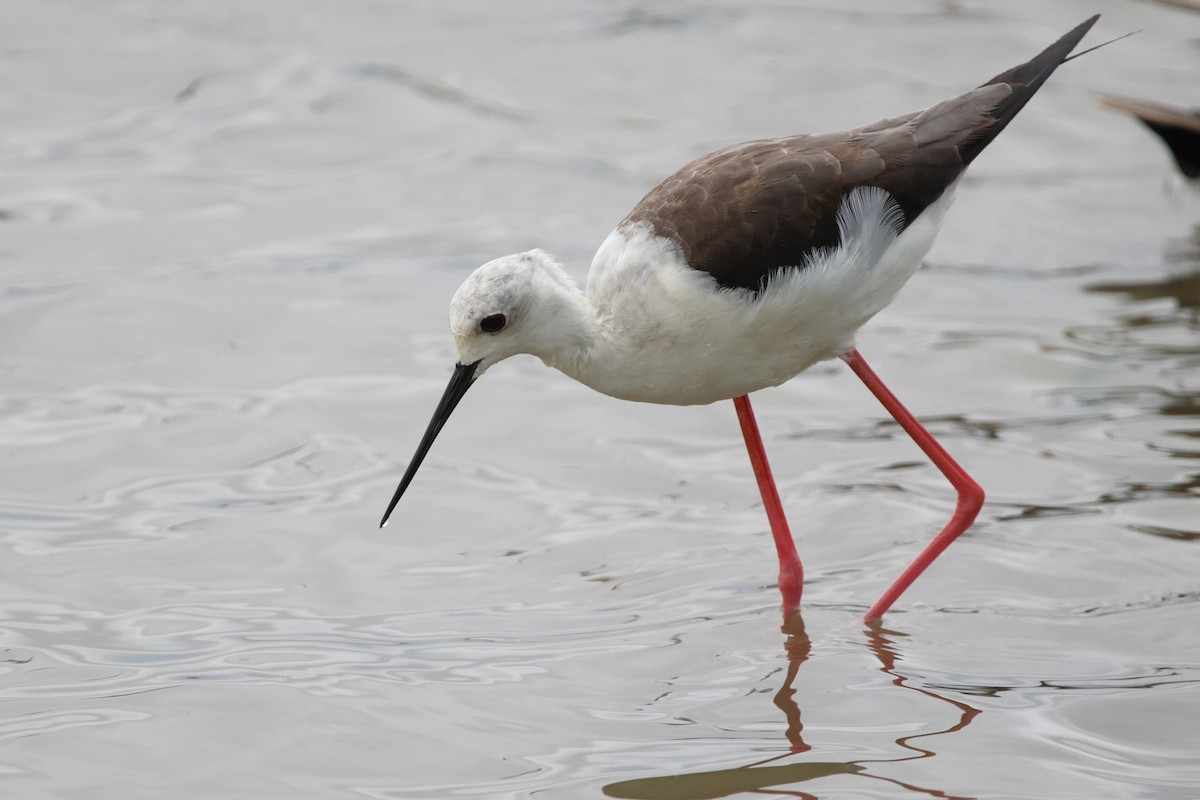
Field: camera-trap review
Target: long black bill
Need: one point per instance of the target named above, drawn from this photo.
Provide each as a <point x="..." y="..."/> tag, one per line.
<point x="460" y="381"/>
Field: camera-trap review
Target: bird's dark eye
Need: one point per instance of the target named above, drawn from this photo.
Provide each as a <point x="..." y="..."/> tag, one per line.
<point x="493" y="323"/>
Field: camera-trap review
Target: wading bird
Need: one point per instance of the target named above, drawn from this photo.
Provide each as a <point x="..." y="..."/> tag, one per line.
<point x="742" y="270"/>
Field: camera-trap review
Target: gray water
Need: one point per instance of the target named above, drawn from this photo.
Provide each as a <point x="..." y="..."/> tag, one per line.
<point x="228" y="234"/>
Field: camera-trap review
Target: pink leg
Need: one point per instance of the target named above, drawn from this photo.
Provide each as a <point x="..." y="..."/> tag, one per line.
<point x="970" y="495"/>
<point x="791" y="572"/>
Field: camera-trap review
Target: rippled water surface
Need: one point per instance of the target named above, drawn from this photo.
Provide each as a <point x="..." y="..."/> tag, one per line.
<point x="228" y="233"/>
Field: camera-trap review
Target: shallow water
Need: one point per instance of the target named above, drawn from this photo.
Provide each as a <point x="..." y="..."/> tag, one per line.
<point x="229" y="232"/>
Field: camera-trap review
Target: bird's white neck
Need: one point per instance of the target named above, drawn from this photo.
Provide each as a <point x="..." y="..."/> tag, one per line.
<point x="570" y="328"/>
<point x="620" y="337"/>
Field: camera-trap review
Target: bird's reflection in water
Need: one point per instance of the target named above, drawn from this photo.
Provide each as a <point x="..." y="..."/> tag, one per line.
<point x="766" y="777"/>
<point x="1182" y="284"/>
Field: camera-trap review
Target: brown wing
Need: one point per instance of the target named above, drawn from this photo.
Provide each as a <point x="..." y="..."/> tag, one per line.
<point x="745" y="212"/>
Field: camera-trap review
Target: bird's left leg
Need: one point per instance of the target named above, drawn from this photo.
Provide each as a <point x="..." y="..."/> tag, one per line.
<point x="791" y="572"/>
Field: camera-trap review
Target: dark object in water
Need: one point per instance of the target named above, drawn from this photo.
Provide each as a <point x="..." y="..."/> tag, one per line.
<point x="1179" y="128"/>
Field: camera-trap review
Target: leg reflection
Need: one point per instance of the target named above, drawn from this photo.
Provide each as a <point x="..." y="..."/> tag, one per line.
<point x="764" y="777"/>
<point x="885" y="651"/>
<point x="798" y="646"/>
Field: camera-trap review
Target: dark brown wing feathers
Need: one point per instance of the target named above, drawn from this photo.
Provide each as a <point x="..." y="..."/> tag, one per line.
<point x="742" y="213"/>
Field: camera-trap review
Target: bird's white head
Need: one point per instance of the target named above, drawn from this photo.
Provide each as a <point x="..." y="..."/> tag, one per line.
<point x="523" y="303"/>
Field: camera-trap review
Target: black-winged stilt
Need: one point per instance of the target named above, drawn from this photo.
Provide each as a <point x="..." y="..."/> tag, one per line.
<point x="743" y="269"/>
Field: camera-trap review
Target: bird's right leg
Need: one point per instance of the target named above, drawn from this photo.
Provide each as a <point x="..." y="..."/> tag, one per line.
<point x="970" y="494"/>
